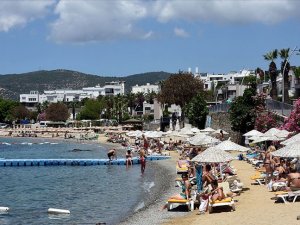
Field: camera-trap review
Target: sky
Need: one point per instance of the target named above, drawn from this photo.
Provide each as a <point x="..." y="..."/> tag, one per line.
<point x="125" y="37"/>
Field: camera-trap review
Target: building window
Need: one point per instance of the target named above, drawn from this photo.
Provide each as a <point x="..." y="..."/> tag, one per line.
<point x="32" y="99"/>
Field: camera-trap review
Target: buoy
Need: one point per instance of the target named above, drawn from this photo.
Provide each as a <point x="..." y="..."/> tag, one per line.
<point x="58" y="211"/>
<point x="4" y="209"/>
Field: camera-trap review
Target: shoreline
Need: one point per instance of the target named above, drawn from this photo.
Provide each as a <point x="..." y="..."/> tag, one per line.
<point x="152" y="213"/>
<point x="149" y="212"/>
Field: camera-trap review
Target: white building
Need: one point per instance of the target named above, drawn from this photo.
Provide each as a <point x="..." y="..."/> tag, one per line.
<point x="68" y="95"/>
<point x="148" y="88"/>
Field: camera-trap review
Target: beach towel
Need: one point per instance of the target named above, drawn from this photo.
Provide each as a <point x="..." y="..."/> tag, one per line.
<point x="199" y="178"/>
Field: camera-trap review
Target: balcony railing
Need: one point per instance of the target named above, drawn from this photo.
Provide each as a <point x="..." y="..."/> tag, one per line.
<point x="224" y="107"/>
<point x="279" y="107"/>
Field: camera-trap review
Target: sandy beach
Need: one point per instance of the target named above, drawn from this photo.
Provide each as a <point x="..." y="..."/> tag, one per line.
<point x="254" y="207"/>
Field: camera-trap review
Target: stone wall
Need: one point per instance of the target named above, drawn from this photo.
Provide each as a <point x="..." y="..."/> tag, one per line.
<point x="220" y="120"/>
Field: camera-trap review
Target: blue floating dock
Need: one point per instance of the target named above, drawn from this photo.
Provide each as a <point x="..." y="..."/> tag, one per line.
<point x="73" y="162"/>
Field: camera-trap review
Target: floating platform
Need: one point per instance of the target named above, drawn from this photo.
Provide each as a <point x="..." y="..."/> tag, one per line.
<point x="73" y="162"/>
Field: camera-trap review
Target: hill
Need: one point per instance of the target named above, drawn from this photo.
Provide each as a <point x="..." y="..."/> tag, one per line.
<point x="12" y="85"/>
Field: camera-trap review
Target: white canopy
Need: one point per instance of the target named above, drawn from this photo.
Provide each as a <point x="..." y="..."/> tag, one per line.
<point x="289" y="151"/>
<point x="295" y="138"/>
<point x="231" y="146"/>
<point x="136" y="133"/>
<point x="253" y="133"/>
<point x="213" y="155"/>
<point x="205" y="141"/>
<point x="207" y="129"/>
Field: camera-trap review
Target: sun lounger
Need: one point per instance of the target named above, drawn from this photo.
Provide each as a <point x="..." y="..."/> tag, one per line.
<point x="259" y="178"/>
<point x="225" y="202"/>
<point x="286" y="195"/>
<point x="172" y="202"/>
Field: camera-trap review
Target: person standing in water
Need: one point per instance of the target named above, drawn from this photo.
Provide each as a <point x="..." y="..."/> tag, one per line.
<point x="142" y="160"/>
<point x="111" y="154"/>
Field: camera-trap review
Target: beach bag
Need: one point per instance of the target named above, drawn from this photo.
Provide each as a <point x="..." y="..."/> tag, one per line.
<point x="203" y="204"/>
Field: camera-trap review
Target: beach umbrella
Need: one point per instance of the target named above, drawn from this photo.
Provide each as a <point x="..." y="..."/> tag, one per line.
<point x="295" y="138"/>
<point x="213" y="155"/>
<point x="154" y="134"/>
<point x="207" y="129"/>
<point x="204" y="141"/>
<point x="136" y="133"/>
<point x="186" y="131"/>
<point x="253" y="133"/>
<point x="195" y="130"/>
<point x="289" y="151"/>
<point x="231" y="146"/>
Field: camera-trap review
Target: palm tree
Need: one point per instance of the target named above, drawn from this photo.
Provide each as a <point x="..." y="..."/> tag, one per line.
<point x="285" y="68"/>
<point x="271" y="56"/>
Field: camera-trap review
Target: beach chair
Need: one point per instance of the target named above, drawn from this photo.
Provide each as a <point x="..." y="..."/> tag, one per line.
<point x="182" y="166"/>
<point x="176" y="202"/>
<point x="228" y="201"/>
<point x="259" y="178"/>
<point x="234" y="183"/>
<point x="287" y="195"/>
<point x="172" y="203"/>
<point x="225" y="202"/>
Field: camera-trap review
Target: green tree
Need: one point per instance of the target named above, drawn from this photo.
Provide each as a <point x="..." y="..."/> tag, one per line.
<point x="57" y="112"/>
<point x="179" y="89"/>
<point x="6" y="107"/>
<point x="91" y="111"/>
<point x="242" y="111"/>
<point x="20" y="112"/>
<point x="271" y="56"/>
<point x="285" y="65"/>
<point x="196" y="111"/>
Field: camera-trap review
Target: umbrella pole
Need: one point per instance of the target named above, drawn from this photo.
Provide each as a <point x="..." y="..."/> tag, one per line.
<point x="221" y="171"/>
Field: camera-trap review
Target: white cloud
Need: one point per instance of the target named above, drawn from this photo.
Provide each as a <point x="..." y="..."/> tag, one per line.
<point x="83" y="21"/>
<point x="97" y="20"/>
<point x="19" y="13"/>
<point x="180" y="32"/>
<point x="227" y="11"/>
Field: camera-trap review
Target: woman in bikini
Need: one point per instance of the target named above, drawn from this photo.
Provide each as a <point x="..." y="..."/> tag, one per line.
<point x="269" y="163"/>
<point x="185" y="193"/>
<point x="128" y="158"/>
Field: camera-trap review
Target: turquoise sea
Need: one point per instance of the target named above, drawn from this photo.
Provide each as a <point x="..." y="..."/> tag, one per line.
<point x="93" y="194"/>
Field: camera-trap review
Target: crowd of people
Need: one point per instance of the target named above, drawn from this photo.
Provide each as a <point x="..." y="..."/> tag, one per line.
<point x="276" y="169"/>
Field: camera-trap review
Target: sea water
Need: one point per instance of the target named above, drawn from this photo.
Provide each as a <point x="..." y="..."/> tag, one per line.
<point x="93" y="194"/>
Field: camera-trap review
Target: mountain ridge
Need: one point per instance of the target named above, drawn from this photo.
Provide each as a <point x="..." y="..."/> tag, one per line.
<point x="12" y="85"/>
